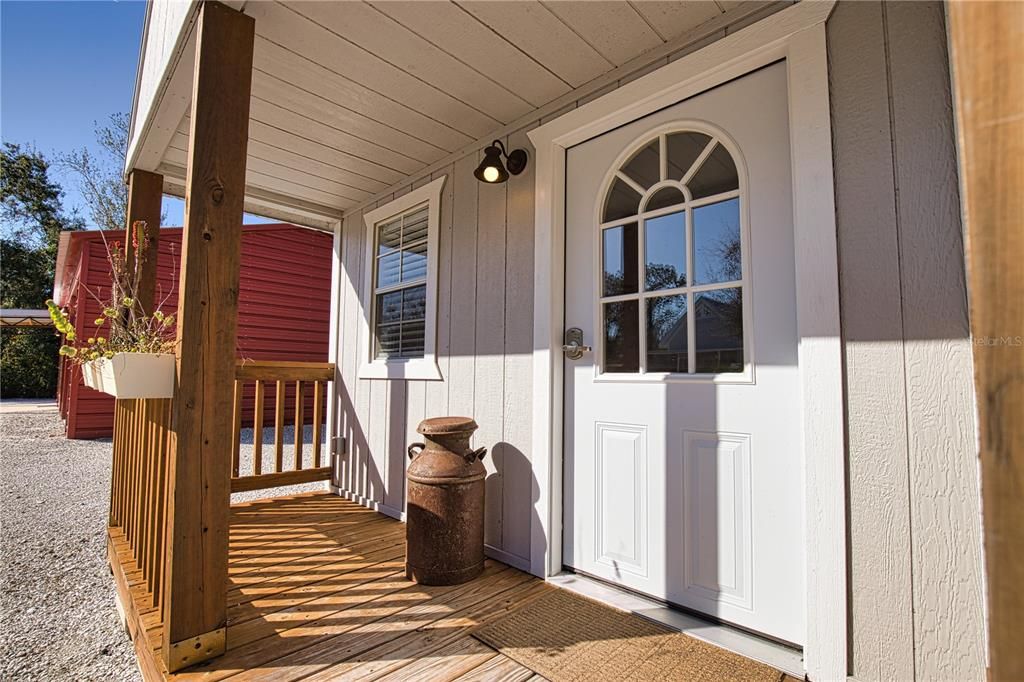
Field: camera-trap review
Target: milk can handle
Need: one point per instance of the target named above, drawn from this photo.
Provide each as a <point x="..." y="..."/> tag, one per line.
<point x="414" y="446"/>
<point x="477" y="454"/>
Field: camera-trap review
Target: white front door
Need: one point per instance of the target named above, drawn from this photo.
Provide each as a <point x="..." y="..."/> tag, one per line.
<point x="683" y="459"/>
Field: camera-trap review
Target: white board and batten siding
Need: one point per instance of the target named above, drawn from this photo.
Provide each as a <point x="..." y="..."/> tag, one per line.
<point x="914" y="558"/>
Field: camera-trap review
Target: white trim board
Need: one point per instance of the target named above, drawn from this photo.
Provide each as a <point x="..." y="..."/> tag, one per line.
<point x="797" y="35"/>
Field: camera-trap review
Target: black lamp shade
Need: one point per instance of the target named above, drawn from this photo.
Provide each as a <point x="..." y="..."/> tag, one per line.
<point x="491" y="169"/>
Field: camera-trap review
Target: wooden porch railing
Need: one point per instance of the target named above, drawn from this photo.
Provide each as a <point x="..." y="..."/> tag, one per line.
<point x="309" y="380"/>
<point x="138" y="486"/>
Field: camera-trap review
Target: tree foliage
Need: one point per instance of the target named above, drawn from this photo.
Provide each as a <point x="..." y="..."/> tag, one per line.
<point x="99" y="175"/>
<point x="30" y="202"/>
<point x="32" y="219"/>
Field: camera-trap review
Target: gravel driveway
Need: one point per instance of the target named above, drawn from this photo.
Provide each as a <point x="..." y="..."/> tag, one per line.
<point x="57" y="615"/>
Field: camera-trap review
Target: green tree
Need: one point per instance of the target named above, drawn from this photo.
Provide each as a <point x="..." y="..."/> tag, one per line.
<point x="32" y="219"/>
<point x="99" y="174"/>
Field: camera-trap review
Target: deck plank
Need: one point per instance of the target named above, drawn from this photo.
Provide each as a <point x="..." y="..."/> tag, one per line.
<point x="317" y="589"/>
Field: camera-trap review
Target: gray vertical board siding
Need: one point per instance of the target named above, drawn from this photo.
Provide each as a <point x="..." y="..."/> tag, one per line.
<point x="517" y="489"/>
<point x="488" y="371"/>
<point x="945" y="497"/>
<point x="914" y="542"/>
<point x="436" y="398"/>
<point x="881" y="607"/>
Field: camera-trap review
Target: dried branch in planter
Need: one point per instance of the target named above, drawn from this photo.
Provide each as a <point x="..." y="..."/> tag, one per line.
<point x="129" y="329"/>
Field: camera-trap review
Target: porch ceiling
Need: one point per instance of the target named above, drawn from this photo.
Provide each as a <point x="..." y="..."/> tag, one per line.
<point x="349" y="98"/>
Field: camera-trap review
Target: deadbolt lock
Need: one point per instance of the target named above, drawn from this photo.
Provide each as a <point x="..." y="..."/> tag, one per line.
<point x="574" y="348"/>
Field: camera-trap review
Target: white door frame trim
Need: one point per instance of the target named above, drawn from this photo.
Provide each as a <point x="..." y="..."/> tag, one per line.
<point x="796" y="34"/>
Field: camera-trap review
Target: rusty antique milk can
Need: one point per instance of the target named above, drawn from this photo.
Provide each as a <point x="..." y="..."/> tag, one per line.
<point x="445" y="510"/>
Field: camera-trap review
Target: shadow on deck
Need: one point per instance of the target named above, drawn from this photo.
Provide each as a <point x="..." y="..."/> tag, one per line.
<point x="317" y="591"/>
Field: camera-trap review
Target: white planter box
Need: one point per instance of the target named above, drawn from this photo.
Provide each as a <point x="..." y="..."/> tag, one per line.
<point x="132" y="375"/>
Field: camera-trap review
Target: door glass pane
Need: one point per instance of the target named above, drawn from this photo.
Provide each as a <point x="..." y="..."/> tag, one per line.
<point x="716" y="175"/>
<point x="620" y="260"/>
<point x="388" y="268"/>
<point x="665" y="252"/>
<point x="622" y="337"/>
<point x="719" y="318"/>
<point x="645" y="166"/>
<point x="666" y="334"/>
<point x="622" y="202"/>
<point x="683" y="150"/>
<point x="716" y="243"/>
<point x="663" y="198"/>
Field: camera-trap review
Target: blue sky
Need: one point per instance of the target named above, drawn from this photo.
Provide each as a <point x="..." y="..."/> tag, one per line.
<point x="64" y="66"/>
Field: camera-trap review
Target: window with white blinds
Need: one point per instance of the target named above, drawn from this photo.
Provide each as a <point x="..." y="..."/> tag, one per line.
<point x="400" y="292"/>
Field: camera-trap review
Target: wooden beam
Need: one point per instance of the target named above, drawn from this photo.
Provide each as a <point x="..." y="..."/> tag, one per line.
<point x="987" y="42"/>
<point x="246" y="483"/>
<point x="145" y="198"/>
<point x="195" y="605"/>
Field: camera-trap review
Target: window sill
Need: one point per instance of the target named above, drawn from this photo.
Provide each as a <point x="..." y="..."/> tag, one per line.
<point x="418" y="369"/>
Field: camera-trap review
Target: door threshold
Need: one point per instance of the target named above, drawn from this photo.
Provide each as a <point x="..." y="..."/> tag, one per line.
<point x="784" y="658"/>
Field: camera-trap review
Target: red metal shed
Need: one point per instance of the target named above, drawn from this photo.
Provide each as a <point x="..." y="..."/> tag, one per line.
<point x="283" y="307"/>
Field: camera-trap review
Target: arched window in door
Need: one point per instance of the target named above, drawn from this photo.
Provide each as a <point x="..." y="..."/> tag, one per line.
<point x="672" y="282"/>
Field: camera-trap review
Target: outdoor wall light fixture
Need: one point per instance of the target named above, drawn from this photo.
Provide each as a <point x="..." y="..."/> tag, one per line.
<point x="491" y="170"/>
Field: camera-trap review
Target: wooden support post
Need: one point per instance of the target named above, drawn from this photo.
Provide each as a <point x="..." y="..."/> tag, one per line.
<point x="145" y="197"/>
<point x="987" y="41"/>
<point x="195" y="603"/>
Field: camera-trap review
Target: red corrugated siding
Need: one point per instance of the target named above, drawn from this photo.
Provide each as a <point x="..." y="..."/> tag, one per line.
<point x="283" y="310"/>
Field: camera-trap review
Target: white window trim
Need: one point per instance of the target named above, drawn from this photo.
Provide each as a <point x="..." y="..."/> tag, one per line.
<point x="425" y="368"/>
<point x="796" y="34"/>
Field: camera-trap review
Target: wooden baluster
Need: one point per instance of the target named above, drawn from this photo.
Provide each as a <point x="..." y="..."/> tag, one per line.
<point x="236" y="432"/>
<point x="300" y="430"/>
<point x="257" y="430"/>
<point x="144" y="491"/>
<point x="136" y="476"/>
<point x="115" y="466"/>
<point x="279" y="428"/>
<point x="160" y="555"/>
<point x="318" y="408"/>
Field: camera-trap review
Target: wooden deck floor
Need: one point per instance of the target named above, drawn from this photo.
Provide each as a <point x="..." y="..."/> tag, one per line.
<point x="318" y="592"/>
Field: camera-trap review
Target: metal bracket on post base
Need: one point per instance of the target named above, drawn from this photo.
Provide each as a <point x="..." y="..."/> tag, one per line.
<point x="197" y="649"/>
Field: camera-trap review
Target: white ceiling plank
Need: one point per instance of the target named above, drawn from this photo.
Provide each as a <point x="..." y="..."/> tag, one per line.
<point x="308" y="75"/>
<point x="270" y="168"/>
<point x="612" y="27"/>
<point x="289" y="159"/>
<point x="313" y="129"/>
<point x="281" y="25"/>
<point x="535" y="30"/>
<point x="352" y="169"/>
<point x="289" y="188"/>
<point x="458" y="33"/>
<point x="311" y="105"/>
<point x="300" y="144"/>
<point x="385" y="38"/>
<point x="672" y="18"/>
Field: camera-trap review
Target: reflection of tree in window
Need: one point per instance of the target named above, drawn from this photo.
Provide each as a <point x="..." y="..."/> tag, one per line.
<point x="691" y="259"/>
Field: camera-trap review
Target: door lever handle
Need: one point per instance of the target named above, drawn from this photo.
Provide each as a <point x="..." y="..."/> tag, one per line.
<point x="573" y="347"/>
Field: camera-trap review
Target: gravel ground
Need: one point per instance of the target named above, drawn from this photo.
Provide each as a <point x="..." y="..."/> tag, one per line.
<point x="57" y="615"/>
<point x="58" y="620"/>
